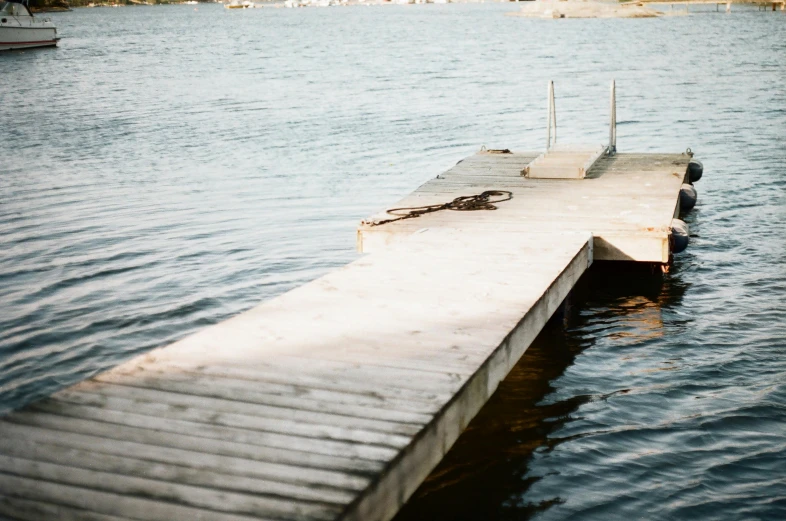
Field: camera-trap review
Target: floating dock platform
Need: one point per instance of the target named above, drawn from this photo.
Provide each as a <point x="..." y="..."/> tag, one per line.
<point x="626" y="201"/>
<point x="335" y="400"/>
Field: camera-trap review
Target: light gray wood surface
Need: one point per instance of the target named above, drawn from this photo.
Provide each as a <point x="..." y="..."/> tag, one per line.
<point x="564" y="163"/>
<point x="626" y="202"/>
<point x="332" y="401"/>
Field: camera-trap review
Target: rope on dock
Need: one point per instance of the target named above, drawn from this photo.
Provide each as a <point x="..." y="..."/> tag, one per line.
<point x="465" y="203"/>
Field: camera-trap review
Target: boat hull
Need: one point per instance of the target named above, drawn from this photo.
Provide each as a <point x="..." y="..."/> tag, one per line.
<point x="27" y="37"/>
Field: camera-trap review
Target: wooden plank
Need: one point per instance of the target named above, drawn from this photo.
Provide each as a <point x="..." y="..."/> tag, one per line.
<point x="228" y="462"/>
<point x="563" y="164"/>
<point x="632" y="248"/>
<point x="127" y="398"/>
<point x="176" y="473"/>
<point x="313" y="374"/>
<point x="240" y="391"/>
<point x="108" y="503"/>
<point x="218" y="501"/>
<point x="405" y="357"/>
<point x="125" y="426"/>
<point x="193" y="450"/>
<point x="239" y="428"/>
<point x="621" y="247"/>
<point x="400" y="405"/>
<point x="27" y="510"/>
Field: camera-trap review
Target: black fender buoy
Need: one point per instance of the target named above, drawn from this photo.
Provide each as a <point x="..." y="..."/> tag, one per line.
<point x="695" y="170"/>
<point x="688" y="196"/>
<point x="679" y="236"/>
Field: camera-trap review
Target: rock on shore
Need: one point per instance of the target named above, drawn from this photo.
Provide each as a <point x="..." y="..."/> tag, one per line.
<point x="584" y="9"/>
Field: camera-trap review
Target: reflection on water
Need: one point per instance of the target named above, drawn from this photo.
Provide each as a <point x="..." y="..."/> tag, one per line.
<point x="486" y="474"/>
<point x="608" y="415"/>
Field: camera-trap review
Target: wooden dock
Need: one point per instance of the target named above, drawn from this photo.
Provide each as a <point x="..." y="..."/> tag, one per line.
<point x="335" y="400"/>
<point x="627" y="202"/>
<point x="761" y="4"/>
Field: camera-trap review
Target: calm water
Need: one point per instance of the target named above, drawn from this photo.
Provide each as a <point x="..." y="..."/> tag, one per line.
<point x="168" y="167"/>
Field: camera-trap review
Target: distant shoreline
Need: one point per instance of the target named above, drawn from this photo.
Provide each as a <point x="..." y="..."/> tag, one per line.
<point x="258" y="3"/>
<point x="60" y="7"/>
<point x="105" y="3"/>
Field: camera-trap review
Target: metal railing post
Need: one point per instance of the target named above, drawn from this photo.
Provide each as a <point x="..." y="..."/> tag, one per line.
<point x="613" y="122"/>
<point x="552" y="118"/>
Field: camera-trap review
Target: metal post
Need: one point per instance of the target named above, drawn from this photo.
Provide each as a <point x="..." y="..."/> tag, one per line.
<point x="613" y="122"/>
<point x="552" y="117"/>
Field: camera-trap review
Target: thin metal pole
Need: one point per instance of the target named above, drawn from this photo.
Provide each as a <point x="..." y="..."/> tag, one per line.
<point x="552" y="118"/>
<point x="613" y="122"/>
<point x="548" y="119"/>
<point x="554" y="114"/>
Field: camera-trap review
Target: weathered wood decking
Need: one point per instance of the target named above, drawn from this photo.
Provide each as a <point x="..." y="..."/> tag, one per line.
<point x="627" y="202"/>
<point x="335" y="400"/>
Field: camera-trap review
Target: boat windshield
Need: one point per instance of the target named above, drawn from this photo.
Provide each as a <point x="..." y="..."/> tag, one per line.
<point x="13" y="9"/>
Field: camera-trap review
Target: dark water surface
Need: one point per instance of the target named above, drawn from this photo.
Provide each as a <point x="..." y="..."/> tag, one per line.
<point x="168" y="167"/>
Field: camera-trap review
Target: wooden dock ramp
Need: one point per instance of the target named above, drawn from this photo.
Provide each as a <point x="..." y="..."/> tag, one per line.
<point x="336" y="399"/>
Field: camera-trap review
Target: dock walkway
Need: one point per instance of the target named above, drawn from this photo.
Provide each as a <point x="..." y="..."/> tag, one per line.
<point x="336" y="399"/>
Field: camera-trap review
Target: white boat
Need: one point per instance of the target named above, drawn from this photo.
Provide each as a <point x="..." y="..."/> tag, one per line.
<point x="19" y="29"/>
<point x="237" y="4"/>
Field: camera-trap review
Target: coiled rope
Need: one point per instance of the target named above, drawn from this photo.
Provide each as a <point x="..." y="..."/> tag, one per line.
<point x="466" y="203"/>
